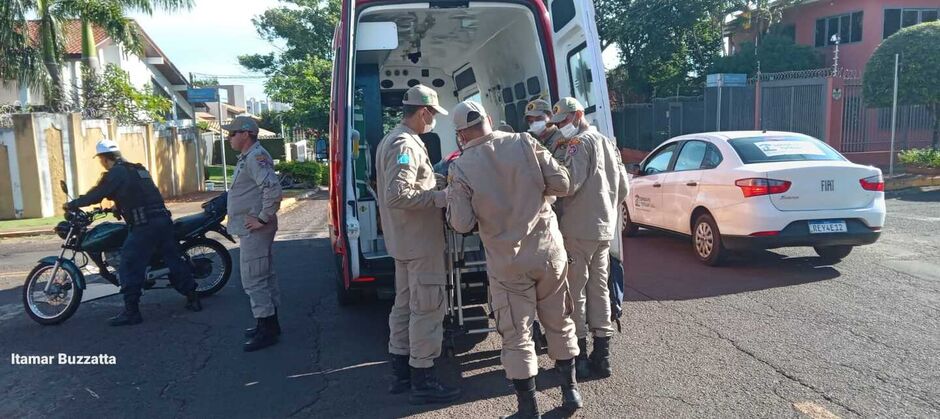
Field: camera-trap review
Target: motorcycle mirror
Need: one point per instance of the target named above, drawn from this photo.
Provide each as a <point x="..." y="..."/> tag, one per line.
<point x="65" y="188"/>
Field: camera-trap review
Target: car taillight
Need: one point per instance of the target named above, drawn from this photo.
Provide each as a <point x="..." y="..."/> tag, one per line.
<point x="759" y="186"/>
<point x="874" y="183"/>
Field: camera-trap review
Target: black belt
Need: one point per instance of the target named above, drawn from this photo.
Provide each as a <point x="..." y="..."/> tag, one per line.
<point x="141" y="215"/>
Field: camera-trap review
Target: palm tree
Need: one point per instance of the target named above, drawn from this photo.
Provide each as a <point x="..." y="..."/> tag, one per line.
<point x="109" y="15"/>
<point x="759" y="15"/>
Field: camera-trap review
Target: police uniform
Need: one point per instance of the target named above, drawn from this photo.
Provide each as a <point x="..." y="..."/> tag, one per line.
<point x="256" y="192"/>
<point x="588" y="223"/>
<point x="503" y="183"/>
<point x="139" y="202"/>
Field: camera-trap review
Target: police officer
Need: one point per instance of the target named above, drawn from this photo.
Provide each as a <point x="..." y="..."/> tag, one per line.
<point x="588" y="224"/>
<point x="253" y="202"/>
<point x="409" y="206"/>
<point x="503" y="182"/>
<point x="538" y="113"/>
<point x="138" y="201"/>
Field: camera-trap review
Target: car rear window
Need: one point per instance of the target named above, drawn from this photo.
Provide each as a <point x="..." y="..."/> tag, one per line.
<point x="775" y="149"/>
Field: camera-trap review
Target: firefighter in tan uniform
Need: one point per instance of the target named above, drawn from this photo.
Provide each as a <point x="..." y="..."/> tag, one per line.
<point x="253" y="202"/>
<point x="410" y="208"/>
<point x="503" y="182"/>
<point x="538" y="113"/>
<point x="588" y="223"/>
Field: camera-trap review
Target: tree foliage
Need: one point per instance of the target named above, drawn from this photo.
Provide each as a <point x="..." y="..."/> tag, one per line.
<point x="123" y="102"/>
<point x="918" y="76"/>
<point x="776" y="53"/>
<point x="664" y="45"/>
<point x="300" y="73"/>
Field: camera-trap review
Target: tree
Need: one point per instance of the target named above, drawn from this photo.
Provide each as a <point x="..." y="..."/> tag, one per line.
<point x="758" y="16"/>
<point x="123" y="102"/>
<point x="109" y="15"/>
<point x="301" y="73"/>
<point x="778" y="53"/>
<point x="917" y="77"/>
<point x="664" y="45"/>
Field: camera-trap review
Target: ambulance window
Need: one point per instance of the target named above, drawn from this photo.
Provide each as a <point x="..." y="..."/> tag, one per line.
<point x="562" y="13"/>
<point x="465" y="79"/>
<point x="580" y="77"/>
<point x="534" y="86"/>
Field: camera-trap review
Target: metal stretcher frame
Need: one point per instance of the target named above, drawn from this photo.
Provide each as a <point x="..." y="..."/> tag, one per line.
<point x="461" y="261"/>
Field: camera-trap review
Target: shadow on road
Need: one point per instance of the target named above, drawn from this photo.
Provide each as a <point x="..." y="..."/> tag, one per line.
<point x="929" y="196"/>
<point x="662" y="267"/>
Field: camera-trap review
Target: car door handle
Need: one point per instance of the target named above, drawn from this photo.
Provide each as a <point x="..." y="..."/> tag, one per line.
<point x="692" y="184"/>
<point x="657" y="185"/>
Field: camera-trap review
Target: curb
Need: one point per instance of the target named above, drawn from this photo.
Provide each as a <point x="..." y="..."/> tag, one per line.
<point x="914" y="181"/>
<point x="286" y="204"/>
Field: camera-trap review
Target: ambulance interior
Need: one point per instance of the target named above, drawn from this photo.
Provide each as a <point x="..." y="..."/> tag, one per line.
<point x="488" y="52"/>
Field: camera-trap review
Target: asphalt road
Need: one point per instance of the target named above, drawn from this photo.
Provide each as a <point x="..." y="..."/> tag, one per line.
<point x="774" y="334"/>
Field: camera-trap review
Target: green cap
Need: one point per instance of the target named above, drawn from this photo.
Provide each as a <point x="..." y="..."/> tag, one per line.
<point x="242" y="123"/>
<point x="538" y="107"/>
<point x="421" y="95"/>
<point x="564" y="107"/>
<point x="467" y="114"/>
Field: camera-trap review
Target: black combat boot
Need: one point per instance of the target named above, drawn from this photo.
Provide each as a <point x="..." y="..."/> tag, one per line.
<point x="570" y="396"/>
<point x="581" y="363"/>
<point x="249" y="332"/>
<point x="401" y="373"/>
<point x="192" y="301"/>
<point x="426" y="389"/>
<point x="264" y="336"/>
<point x="600" y="357"/>
<point x="525" y="396"/>
<point x="130" y="316"/>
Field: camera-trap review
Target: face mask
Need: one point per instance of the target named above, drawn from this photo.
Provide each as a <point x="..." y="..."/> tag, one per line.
<point x="430" y="125"/>
<point x="569" y="131"/>
<point x="537" y="127"/>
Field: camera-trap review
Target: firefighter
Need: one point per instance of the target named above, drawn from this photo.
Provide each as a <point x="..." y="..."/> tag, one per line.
<point x="588" y="223"/>
<point x="538" y="113"/>
<point x="139" y="202"/>
<point x="503" y="183"/>
<point x="410" y="209"/>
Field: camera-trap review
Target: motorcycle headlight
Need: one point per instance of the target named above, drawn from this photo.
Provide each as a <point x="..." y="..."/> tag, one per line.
<point x="62" y="229"/>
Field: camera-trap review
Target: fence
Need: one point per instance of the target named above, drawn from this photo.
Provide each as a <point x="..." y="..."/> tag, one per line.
<point x="43" y="149"/>
<point x="813" y="102"/>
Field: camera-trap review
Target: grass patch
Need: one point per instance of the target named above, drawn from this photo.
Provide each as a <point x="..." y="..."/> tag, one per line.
<point x="29" y="223"/>
<point x="214" y="173"/>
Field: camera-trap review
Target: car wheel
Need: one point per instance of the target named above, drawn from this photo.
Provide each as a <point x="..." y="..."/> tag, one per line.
<point x="706" y="241"/>
<point x="833" y="254"/>
<point x="629" y="229"/>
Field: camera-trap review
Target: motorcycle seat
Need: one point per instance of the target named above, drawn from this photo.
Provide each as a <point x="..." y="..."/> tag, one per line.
<point x="185" y="225"/>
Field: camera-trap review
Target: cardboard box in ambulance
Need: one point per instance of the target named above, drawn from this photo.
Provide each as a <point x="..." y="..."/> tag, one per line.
<point x="501" y="53"/>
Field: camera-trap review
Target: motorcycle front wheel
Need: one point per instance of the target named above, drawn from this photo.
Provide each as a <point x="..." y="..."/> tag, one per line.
<point x="211" y="265"/>
<point x="58" y="303"/>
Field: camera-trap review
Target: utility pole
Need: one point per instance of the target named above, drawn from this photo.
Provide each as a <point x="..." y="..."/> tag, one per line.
<point x="894" y="113"/>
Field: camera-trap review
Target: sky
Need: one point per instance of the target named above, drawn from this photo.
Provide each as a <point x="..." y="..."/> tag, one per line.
<point x="209" y="38"/>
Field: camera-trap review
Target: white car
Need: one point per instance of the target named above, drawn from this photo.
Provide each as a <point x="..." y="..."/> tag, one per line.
<point x="756" y="190"/>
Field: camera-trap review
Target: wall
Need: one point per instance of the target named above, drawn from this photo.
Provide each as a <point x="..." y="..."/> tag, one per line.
<point x="6" y="184"/>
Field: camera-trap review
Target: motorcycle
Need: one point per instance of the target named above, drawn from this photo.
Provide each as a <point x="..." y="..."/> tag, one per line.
<point x="54" y="288"/>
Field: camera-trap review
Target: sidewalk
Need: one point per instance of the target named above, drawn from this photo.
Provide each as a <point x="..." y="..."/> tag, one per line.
<point x="179" y="206"/>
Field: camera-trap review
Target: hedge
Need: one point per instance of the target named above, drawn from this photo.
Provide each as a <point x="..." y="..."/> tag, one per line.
<point x="311" y="172"/>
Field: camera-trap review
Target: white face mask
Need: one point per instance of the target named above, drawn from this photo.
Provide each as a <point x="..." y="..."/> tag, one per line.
<point x="430" y="125"/>
<point x="537" y="127"/>
<point x="569" y="131"/>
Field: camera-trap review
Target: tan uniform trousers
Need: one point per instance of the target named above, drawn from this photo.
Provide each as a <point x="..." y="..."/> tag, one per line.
<point x="257" y="270"/>
<point x="516" y="299"/>
<point x="587" y="278"/>
<point x="416" y="321"/>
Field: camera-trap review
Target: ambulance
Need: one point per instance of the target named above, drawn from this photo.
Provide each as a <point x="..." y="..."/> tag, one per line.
<point x="500" y="53"/>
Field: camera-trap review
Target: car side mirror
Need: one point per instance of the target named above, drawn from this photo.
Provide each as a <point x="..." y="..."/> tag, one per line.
<point x="634" y="169"/>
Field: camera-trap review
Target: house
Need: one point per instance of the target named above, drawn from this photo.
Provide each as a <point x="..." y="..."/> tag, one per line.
<point x="860" y="24"/>
<point x="153" y="67"/>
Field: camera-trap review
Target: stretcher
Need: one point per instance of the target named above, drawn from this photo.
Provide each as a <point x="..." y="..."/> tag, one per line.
<point x="466" y="288"/>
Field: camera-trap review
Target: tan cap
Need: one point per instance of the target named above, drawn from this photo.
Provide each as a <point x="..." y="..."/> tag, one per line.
<point x="422" y="95"/>
<point x="564" y="107"/>
<point x="242" y="123"/>
<point x="538" y="107"/>
<point x="467" y="114"/>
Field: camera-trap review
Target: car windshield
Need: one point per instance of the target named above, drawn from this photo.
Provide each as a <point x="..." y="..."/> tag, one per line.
<point x="778" y="148"/>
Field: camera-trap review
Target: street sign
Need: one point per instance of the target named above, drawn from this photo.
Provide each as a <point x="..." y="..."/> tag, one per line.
<point x="726" y="80"/>
<point x="201" y="95"/>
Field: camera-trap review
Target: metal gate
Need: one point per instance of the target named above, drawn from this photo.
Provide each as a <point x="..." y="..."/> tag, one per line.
<point x="797" y="105"/>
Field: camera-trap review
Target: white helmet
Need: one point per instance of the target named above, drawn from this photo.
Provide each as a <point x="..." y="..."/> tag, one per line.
<point x="106" y="146"/>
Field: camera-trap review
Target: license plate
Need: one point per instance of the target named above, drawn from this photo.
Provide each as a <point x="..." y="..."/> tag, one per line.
<point x="822" y="227"/>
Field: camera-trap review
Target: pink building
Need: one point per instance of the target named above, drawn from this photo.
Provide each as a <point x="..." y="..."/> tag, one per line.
<point x="861" y="25"/>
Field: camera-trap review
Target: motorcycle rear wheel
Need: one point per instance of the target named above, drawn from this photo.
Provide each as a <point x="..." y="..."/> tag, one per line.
<point x="70" y="296"/>
<point x="211" y="273"/>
